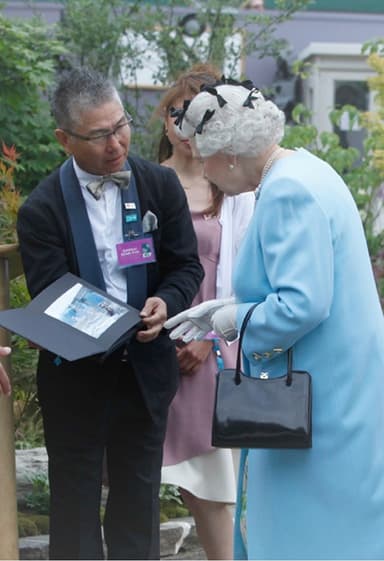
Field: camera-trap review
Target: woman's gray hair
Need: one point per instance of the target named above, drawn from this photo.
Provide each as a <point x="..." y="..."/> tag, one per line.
<point x="233" y="120"/>
<point x="79" y="89"/>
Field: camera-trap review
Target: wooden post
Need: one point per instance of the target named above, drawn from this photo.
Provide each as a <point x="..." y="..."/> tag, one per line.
<point x="10" y="266"/>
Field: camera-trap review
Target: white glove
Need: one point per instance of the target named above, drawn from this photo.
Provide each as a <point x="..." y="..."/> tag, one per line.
<point x="196" y="322"/>
<point x="224" y="322"/>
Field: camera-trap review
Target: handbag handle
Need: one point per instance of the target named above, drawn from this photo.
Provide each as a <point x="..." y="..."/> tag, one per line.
<point x="238" y="358"/>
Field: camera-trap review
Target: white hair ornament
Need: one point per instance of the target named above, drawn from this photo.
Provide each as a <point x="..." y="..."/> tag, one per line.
<point x="232" y="118"/>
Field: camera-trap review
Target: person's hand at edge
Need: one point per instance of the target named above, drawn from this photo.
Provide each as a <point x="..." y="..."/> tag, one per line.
<point x="5" y="384"/>
<point x="192" y="355"/>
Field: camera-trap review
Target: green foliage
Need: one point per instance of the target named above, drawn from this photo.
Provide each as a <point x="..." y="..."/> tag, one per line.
<point x="173" y="510"/>
<point x="115" y="36"/>
<point x="28" y="423"/>
<point x="146" y="133"/>
<point x="92" y="31"/>
<point x="374" y="145"/>
<point x="163" y="517"/>
<point x="354" y="167"/>
<point x="26" y="526"/>
<point x="10" y="198"/>
<point x="42" y="522"/>
<point x="100" y="33"/>
<point x="28" y="420"/>
<point x="37" y="500"/>
<point x="170" y="493"/>
<point x="33" y="519"/>
<point x="27" y="416"/>
<point x="171" y="503"/>
<point x="363" y="177"/>
<point x="30" y="524"/>
<point x="326" y="145"/>
<point x="27" y="61"/>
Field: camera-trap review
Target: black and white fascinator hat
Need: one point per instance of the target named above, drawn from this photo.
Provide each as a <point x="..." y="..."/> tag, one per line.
<point x="230" y="117"/>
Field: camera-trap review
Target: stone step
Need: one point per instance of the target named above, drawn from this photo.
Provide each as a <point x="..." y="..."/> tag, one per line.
<point x="178" y="540"/>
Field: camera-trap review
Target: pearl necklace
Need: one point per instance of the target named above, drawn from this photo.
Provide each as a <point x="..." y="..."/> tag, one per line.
<point x="267" y="167"/>
<point x="269" y="162"/>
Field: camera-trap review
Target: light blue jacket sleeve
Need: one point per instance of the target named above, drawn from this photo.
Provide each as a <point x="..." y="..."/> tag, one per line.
<point x="289" y="257"/>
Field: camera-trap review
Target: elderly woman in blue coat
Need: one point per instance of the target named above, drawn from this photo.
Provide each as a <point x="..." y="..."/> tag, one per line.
<point x="304" y="259"/>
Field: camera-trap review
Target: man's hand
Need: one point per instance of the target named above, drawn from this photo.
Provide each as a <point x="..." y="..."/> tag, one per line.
<point x="192" y="355"/>
<point x="153" y="316"/>
<point x="5" y="384"/>
<point x="196" y="322"/>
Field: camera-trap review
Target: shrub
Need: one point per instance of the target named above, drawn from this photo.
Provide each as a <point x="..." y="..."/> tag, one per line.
<point x="37" y="500"/>
<point x="28" y="423"/>
<point x="171" y="503"/>
<point x="41" y="521"/>
<point x="28" y="57"/>
<point x="26" y="526"/>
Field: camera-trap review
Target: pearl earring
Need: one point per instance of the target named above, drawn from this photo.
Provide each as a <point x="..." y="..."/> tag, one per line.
<point x="231" y="166"/>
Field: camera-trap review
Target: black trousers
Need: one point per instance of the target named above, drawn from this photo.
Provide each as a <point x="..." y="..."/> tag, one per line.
<point x="87" y="409"/>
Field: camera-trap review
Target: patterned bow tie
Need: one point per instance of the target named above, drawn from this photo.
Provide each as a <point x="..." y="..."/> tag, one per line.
<point x="120" y="178"/>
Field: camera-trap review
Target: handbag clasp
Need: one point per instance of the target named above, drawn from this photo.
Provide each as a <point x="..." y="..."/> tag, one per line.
<point x="264" y="375"/>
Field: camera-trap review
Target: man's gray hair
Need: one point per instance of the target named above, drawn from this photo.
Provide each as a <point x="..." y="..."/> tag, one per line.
<point x="79" y="89"/>
<point x="232" y="120"/>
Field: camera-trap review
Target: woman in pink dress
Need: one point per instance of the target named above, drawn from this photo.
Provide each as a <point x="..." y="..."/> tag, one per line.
<point x="205" y="475"/>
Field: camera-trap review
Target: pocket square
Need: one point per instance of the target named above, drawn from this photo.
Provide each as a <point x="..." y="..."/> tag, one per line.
<point x="149" y="222"/>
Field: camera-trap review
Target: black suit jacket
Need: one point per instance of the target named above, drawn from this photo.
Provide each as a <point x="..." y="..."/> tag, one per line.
<point x="47" y="252"/>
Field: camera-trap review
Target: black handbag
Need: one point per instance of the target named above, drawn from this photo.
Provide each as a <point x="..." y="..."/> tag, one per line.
<point x="262" y="412"/>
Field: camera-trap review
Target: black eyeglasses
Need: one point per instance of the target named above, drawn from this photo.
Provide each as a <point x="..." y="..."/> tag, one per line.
<point x="118" y="131"/>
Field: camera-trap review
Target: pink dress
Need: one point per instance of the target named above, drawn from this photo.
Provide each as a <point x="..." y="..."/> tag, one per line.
<point x="191" y="462"/>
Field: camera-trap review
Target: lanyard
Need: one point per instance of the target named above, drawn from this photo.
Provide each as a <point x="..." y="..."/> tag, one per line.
<point x="132" y="227"/>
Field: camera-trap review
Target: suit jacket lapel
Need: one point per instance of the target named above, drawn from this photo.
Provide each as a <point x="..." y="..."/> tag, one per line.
<point x="86" y="253"/>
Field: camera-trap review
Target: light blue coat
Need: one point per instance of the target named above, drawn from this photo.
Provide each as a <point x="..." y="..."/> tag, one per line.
<point x="305" y="259"/>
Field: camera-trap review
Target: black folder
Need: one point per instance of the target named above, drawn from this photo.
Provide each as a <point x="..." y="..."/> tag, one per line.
<point x="73" y="319"/>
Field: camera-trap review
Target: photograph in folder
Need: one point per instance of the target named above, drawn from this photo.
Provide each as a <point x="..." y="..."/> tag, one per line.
<point x="74" y="319"/>
<point x="86" y="310"/>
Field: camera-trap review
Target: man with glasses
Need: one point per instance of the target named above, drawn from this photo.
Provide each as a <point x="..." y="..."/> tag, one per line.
<point x="86" y="217"/>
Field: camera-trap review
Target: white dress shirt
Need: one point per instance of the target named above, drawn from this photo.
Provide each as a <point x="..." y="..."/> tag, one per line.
<point x="105" y="216"/>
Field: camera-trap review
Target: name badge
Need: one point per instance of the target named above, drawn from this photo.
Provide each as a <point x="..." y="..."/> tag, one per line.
<point x="137" y="251"/>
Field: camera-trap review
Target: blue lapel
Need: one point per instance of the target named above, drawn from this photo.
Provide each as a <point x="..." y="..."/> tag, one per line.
<point x="86" y="253"/>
